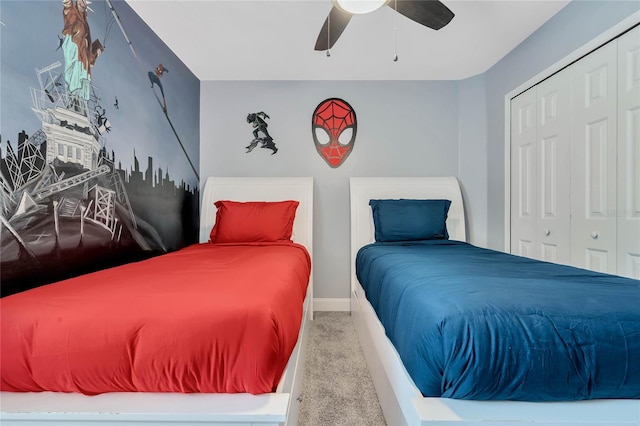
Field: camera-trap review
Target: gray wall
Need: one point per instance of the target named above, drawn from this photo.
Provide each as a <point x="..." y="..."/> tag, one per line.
<point x="472" y="134"/>
<point x="405" y="128"/>
<point x="575" y="25"/>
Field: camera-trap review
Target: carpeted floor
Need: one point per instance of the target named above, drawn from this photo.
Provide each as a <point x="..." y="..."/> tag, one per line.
<point x="337" y="388"/>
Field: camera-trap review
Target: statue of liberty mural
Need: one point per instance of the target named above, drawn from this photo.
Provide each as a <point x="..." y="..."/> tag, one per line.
<point x="80" y="52"/>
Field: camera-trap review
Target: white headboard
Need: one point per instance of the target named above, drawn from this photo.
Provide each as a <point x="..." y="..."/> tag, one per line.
<point x="261" y="189"/>
<point x="363" y="189"/>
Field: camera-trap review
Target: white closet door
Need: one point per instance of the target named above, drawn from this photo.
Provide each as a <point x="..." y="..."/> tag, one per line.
<point x="523" y="174"/>
<point x="629" y="154"/>
<point x="553" y="226"/>
<point x="594" y="160"/>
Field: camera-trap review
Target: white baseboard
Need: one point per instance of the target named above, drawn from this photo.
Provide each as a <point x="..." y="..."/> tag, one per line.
<point x="327" y="304"/>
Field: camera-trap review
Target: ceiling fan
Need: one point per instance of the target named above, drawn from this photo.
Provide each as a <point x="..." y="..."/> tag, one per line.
<point x="430" y="13"/>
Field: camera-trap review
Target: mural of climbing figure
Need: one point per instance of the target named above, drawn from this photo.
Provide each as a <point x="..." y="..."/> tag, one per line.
<point x="334" y="126"/>
<point x="154" y="78"/>
<point x="256" y="119"/>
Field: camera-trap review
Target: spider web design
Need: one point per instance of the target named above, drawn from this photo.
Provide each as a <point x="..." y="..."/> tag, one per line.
<point x="334" y="117"/>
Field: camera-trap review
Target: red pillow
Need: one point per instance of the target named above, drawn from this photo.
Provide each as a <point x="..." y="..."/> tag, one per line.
<point x="253" y="221"/>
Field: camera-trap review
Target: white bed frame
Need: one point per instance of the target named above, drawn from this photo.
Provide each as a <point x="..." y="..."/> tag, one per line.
<point x="176" y="409"/>
<point x="401" y="401"/>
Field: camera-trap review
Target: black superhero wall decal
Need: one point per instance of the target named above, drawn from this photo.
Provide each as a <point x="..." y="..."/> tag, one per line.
<point x="257" y="121"/>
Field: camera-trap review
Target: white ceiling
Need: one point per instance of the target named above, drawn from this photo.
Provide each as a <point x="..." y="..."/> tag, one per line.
<point x="274" y="39"/>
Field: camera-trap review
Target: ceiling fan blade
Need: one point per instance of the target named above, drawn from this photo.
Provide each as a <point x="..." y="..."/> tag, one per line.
<point x="328" y="36"/>
<point x="430" y="13"/>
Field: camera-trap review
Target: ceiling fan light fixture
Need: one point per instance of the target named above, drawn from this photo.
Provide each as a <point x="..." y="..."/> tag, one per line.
<point x="358" y="7"/>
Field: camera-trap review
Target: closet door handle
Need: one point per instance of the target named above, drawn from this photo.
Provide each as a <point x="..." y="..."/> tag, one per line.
<point x="547" y="232"/>
<point x="594" y="235"/>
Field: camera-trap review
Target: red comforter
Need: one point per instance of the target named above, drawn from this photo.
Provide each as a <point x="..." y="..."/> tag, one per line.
<point x="216" y="318"/>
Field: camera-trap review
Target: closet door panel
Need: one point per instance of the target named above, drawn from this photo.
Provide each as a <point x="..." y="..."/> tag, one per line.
<point x="553" y="230"/>
<point x="523" y="174"/>
<point x="628" y="212"/>
<point x="594" y="160"/>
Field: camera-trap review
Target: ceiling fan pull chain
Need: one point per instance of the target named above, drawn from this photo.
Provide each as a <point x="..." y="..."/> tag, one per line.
<point x="395" y="54"/>
<point x="328" y="35"/>
<point x="395" y="31"/>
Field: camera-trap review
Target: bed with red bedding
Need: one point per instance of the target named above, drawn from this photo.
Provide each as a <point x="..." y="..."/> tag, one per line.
<point x="222" y="319"/>
<point x="208" y="318"/>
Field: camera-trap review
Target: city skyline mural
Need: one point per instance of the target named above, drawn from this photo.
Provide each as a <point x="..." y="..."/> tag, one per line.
<point x="87" y="93"/>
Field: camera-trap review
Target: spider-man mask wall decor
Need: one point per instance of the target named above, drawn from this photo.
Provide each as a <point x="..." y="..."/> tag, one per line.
<point x="334" y="128"/>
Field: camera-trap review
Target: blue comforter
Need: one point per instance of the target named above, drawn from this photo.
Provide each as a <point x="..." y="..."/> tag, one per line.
<point x="473" y="323"/>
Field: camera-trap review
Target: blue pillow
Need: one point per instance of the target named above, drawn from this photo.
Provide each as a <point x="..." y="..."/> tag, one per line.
<point x="410" y="220"/>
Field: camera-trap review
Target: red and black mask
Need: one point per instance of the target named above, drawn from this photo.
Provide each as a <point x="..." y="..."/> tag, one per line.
<point x="334" y="128"/>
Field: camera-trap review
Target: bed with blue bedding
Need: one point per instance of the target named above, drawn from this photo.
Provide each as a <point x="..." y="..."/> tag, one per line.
<point x="458" y="335"/>
<point x="477" y="324"/>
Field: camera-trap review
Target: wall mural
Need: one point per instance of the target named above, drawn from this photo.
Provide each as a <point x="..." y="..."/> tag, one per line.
<point x="257" y="121"/>
<point x="334" y="126"/>
<point x="73" y="197"/>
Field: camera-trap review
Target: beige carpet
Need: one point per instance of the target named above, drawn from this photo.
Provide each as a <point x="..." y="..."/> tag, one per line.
<point x="337" y="388"/>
